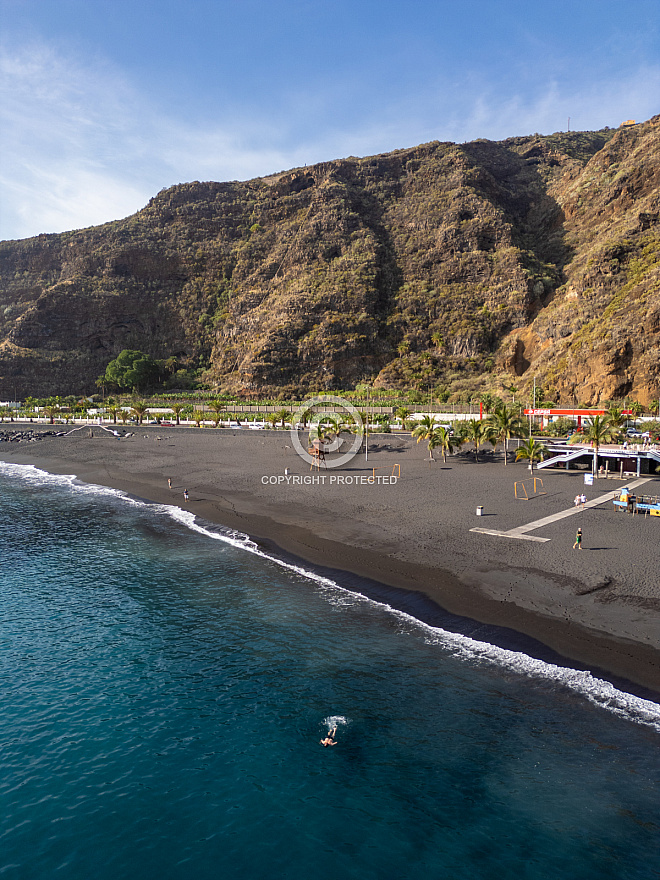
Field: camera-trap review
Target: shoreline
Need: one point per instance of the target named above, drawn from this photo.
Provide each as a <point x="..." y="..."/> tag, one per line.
<point x="467" y="600"/>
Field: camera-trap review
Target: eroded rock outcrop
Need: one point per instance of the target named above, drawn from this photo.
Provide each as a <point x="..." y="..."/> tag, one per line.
<point x="442" y="264"/>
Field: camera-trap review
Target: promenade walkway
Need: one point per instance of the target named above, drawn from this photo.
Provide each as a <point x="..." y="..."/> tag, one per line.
<point x="521" y="532"/>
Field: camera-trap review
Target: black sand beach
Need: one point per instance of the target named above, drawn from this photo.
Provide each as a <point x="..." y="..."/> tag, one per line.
<point x="599" y="607"/>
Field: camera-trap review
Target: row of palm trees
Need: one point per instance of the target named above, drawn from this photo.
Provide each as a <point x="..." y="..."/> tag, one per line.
<point x="501" y="426"/>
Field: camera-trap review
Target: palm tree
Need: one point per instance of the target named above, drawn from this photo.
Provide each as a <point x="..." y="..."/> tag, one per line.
<point x="654" y="407"/>
<point x="283" y="416"/>
<point x="272" y="419"/>
<point x="531" y="450"/>
<point x="305" y="416"/>
<point x="335" y="425"/>
<point x="176" y="409"/>
<point x="615" y="415"/>
<point x="477" y="432"/>
<point x="424" y="427"/>
<point x="217" y="408"/>
<point x="123" y="415"/>
<point x="364" y="419"/>
<point x="198" y="416"/>
<point x="490" y="401"/>
<point x="597" y="431"/>
<point x="402" y="413"/>
<point x="139" y="409"/>
<point x="425" y="431"/>
<point x="51" y="411"/>
<point x="506" y="424"/>
<point x="637" y="409"/>
<point x="444" y="440"/>
<point x="113" y="409"/>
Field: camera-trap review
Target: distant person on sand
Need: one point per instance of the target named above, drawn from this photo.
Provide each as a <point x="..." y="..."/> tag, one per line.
<point x="169" y="482"/>
<point x="329" y="740"/>
<point x="576" y="501"/>
<point x="578" y="540"/>
<point x="583" y="500"/>
<point x="185" y="494"/>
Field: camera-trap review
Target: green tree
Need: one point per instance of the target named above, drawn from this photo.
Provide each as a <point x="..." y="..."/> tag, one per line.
<point x="615" y="415"/>
<point x="443" y="438"/>
<point x="305" y="416"/>
<point x="425" y="431"/>
<point x="139" y="410"/>
<point x="112" y="410"/>
<point x="477" y="432"/>
<point x="637" y="409"/>
<point x="177" y="408"/>
<point x="283" y="416"/>
<point x="132" y="370"/>
<point x="531" y="450"/>
<point x="272" y="419"/>
<point x="52" y="411"/>
<point x="198" y="416"/>
<point x="488" y="401"/>
<point x="597" y="431"/>
<point x="217" y="408"/>
<point x="505" y="424"/>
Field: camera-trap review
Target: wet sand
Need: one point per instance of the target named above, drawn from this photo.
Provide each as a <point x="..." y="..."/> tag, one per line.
<point x="410" y="543"/>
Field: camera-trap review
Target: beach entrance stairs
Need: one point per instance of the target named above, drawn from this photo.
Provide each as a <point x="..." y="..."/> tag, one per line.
<point x="605" y="452"/>
<point x="564" y="457"/>
<point x="652" y="453"/>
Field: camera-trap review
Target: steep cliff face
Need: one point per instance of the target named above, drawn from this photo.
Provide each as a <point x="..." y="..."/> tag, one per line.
<point x="443" y="265"/>
<point x="599" y="338"/>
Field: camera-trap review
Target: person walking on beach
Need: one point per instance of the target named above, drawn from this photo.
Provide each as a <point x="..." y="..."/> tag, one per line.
<point x="169" y="482"/>
<point x="185" y="494"/>
<point x="329" y="740"/>
<point x="576" y="501"/>
<point x="583" y="500"/>
<point x="578" y="540"/>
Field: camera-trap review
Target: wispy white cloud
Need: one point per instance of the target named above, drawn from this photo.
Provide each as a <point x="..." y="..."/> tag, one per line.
<point x="81" y="146"/>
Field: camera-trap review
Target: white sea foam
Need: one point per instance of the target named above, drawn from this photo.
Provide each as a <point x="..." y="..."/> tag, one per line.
<point x="601" y="693"/>
<point x="598" y="692"/>
<point x="336" y="721"/>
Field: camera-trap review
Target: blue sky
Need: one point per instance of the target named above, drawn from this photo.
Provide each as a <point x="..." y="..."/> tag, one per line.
<point x="105" y="102"/>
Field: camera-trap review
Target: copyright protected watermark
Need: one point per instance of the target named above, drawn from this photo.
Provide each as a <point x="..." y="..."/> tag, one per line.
<point x="328" y="479"/>
<point x="335" y="425"/>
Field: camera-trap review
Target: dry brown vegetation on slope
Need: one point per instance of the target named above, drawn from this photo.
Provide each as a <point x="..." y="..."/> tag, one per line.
<point x="452" y="266"/>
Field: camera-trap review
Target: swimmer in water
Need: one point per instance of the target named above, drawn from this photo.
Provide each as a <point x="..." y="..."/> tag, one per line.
<point x="329" y="741"/>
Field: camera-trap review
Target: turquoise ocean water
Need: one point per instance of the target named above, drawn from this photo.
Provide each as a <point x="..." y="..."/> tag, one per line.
<point x="164" y="690"/>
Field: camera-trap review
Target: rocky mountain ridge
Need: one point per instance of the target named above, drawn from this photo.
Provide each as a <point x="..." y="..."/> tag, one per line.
<point x="456" y="267"/>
